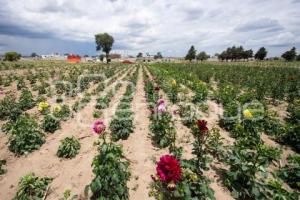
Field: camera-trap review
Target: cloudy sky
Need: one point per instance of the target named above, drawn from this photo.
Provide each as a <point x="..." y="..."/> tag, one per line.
<point x="169" y="26"/>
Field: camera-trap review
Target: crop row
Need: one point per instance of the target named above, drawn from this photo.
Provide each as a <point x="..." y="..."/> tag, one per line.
<point x="249" y="156"/>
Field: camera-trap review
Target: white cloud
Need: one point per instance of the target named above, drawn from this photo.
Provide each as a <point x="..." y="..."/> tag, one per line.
<point x="169" y="26"/>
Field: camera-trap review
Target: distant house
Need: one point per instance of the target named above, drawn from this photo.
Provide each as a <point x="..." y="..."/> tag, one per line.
<point x="145" y="59"/>
<point x="53" y="56"/>
<point x="73" y="59"/>
<point x="115" y="56"/>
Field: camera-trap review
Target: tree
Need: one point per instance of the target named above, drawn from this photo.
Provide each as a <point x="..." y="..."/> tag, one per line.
<point x="104" y="42"/>
<point x="140" y="55"/>
<point x="261" y="54"/>
<point x="12" y="56"/>
<point x="202" y="56"/>
<point x="158" y="56"/>
<point x="289" y="55"/>
<point x="298" y="58"/>
<point x="33" y="55"/>
<point x="249" y="53"/>
<point x="191" y="54"/>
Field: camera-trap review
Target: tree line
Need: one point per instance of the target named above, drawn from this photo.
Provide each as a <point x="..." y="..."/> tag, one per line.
<point x="239" y="53"/>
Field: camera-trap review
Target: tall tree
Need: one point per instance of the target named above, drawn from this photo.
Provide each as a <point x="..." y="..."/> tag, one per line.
<point x="290" y="55"/>
<point x="298" y="58"/>
<point x="202" y="56"/>
<point x="158" y="56"/>
<point x="249" y="53"/>
<point x="191" y="54"/>
<point x="33" y="55"/>
<point x="104" y="42"/>
<point x="261" y="54"/>
<point x="140" y="54"/>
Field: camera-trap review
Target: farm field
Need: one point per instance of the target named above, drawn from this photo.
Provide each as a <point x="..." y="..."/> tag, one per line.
<point x="205" y="130"/>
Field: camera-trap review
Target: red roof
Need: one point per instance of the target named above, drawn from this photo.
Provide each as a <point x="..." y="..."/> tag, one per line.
<point x="127" y="62"/>
<point x="73" y="58"/>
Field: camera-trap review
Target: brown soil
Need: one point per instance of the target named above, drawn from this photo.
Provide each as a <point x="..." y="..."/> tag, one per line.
<point x="73" y="174"/>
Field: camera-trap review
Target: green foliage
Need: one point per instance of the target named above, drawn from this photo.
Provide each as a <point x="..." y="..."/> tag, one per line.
<point x="103" y="102"/>
<point x="111" y="172"/>
<point x="50" y="123"/>
<point x="202" y="146"/>
<point x="97" y="114"/>
<point x="2" y="171"/>
<point x="245" y="177"/>
<point x="12" y="56"/>
<point x="9" y="108"/>
<point x="261" y="54"/>
<point x="104" y="42"/>
<point x="294" y="112"/>
<point x="64" y="114"/>
<point x="290" y="173"/>
<point x="230" y="116"/>
<point x="272" y="126"/>
<point x="202" y="56"/>
<point x="32" y="187"/>
<point x="226" y="94"/>
<point x="163" y="130"/>
<point x="214" y="144"/>
<point x="235" y="53"/>
<point x="188" y="114"/>
<point x="191" y="55"/>
<point x="290" y="55"/>
<point x="277" y="191"/>
<point x="21" y="84"/>
<point x="122" y="123"/>
<point x="25" y="136"/>
<point x="68" y="148"/>
<point x="26" y="100"/>
<point x="121" y="126"/>
<point x="201" y="92"/>
<point x="291" y="136"/>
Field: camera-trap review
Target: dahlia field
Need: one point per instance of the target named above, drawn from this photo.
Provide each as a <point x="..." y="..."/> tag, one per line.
<point x="166" y="131"/>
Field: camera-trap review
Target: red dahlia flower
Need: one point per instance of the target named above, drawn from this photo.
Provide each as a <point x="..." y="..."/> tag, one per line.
<point x="168" y="169"/>
<point x="202" y="125"/>
<point x="151" y="111"/>
<point x="99" y="126"/>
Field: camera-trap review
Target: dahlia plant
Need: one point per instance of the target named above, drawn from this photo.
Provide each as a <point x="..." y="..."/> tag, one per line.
<point x="175" y="181"/>
<point x="43" y="107"/>
<point x="50" y="123"/>
<point x="200" y="150"/>
<point x="68" y="148"/>
<point x="32" y="187"/>
<point x="26" y="100"/>
<point x="110" y="168"/>
<point x="162" y="125"/>
<point x="25" y="136"/>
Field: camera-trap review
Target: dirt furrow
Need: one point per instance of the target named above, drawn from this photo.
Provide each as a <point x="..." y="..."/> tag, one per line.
<point x="138" y="147"/>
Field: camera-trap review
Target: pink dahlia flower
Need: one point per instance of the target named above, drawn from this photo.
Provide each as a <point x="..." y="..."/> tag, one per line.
<point x="168" y="169"/>
<point x="162" y="108"/>
<point x="99" y="126"/>
<point x="160" y="101"/>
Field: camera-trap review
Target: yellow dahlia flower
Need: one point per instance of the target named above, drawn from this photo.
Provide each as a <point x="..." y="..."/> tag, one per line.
<point x="43" y="106"/>
<point x="174" y="82"/>
<point x="56" y="108"/>
<point x="247" y="114"/>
